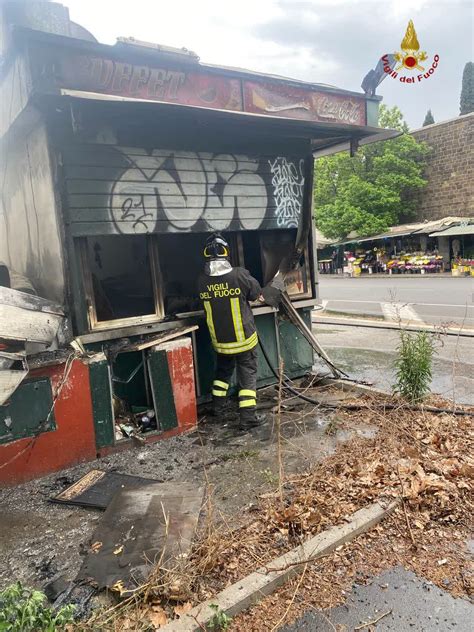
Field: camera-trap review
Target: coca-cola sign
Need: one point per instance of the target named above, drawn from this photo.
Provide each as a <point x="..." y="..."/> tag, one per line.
<point x="340" y="110"/>
<point x="276" y="99"/>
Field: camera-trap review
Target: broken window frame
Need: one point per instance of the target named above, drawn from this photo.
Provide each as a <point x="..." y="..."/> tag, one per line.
<point x="307" y="267"/>
<point x="307" y="279"/>
<point x="156" y="281"/>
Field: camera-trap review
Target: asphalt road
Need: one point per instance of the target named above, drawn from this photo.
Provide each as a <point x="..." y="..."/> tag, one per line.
<point x="400" y="601"/>
<point x="369" y="354"/>
<point x="430" y="299"/>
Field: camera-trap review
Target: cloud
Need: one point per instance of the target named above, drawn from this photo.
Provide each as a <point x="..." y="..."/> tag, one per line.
<point x="323" y="41"/>
<point x="351" y="36"/>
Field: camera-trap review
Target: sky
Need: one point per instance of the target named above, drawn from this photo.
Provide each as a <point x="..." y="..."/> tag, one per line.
<point x="323" y="41"/>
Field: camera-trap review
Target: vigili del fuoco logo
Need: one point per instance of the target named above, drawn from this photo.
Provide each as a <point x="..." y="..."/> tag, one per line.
<point x="410" y="60"/>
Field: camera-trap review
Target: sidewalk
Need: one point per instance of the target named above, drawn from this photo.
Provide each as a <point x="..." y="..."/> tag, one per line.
<point x="369" y="309"/>
<point x="387" y="314"/>
<point x="329" y="317"/>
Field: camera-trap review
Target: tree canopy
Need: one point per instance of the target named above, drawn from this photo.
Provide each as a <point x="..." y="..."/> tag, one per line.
<point x="429" y="119"/>
<point x="372" y="190"/>
<point x="467" y="90"/>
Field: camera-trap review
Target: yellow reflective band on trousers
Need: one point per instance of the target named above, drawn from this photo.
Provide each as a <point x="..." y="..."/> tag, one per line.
<point x="245" y="392"/>
<point x="236" y="347"/>
<point x="230" y="348"/>
<point x="220" y="384"/>
<point x="237" y="319"/>
<point x="219" y="393"/>
<point x="246" y="403"/>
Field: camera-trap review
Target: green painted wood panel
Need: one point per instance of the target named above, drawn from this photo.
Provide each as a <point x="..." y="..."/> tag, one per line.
<point x="99" y="376"/>
<point x="28" y="411"/>
<point x="206" y="360"/>
<point x="162" y="390"/>
<point x="134" y="392"/>
<point x="297" y="353"/>
<point x="267" y="335"/>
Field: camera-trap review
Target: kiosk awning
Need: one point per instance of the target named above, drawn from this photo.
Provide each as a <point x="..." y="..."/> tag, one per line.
<point x="326" y="138"/>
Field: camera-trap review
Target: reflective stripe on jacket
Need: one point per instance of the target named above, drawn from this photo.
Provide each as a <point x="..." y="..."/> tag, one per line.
<point x="229" y="317"/>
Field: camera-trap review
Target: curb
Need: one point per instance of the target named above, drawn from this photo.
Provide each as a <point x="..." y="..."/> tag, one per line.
<point x="265" y="580"/>
<point x="354" y="322"/>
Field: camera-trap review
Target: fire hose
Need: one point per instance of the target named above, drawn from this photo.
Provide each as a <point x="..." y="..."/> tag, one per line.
<point x="286" y="380"/>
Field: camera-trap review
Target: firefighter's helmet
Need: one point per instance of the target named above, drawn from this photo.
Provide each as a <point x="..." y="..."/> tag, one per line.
<point x="216" y="248"/>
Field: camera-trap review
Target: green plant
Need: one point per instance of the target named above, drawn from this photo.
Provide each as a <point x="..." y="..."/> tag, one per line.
<point x="270" y="477"/>
<point x="243" y="454"/>
<point x="220" y="620"/>
<point x="429" y="119"/>
<point x="25" y="610"/>
<point x="375" y="188"/>
<point x="467" y="91"/>
<point x="332" y="427"/>
<point x="414" y="365"/>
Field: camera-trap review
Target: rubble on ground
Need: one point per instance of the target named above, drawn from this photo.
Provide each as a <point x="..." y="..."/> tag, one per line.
<point x="421" y="457"/>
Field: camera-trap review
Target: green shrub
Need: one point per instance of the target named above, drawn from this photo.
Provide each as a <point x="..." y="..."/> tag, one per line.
<point x="220" y="620"/>
<point x="414" y="365"/>
<point x="24" y="610"/>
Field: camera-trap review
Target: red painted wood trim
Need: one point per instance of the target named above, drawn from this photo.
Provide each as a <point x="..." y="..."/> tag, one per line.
<point x="72" y="442"/>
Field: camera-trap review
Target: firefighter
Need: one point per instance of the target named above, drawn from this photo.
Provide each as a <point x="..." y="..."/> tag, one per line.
<point x="226" y="292"/>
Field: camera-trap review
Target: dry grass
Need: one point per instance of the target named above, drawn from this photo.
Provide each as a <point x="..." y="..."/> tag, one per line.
<point x="421" y="457"/>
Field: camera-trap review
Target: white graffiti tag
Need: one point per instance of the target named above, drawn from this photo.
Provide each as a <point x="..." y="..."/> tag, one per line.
<point x="288" y="183"/>
<point x="186" y="187"/>
<point x="179" y="190"/>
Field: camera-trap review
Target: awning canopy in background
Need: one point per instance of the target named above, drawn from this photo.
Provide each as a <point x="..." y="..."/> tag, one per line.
<point x="321" y="240"/>
<point x="455" y="231"/>
<point x="440" y="226"/>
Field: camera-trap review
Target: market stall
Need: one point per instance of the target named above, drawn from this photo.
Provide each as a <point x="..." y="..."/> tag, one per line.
<point x="415" y="263"/>
<point x="460" y="238"/>
<point x="412" y="249"/>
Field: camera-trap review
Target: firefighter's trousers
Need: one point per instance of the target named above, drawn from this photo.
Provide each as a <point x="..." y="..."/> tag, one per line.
<point x="246" y="364"/>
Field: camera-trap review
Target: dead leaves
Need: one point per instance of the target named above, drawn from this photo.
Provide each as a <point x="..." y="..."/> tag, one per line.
<point x="157" y="616"/>
<point x="296" y="519"/>
<point x="96" y="546"/>
<point x="428" y="454"/>
<point x="423" y="457"/>
<point x="183" y="608"/>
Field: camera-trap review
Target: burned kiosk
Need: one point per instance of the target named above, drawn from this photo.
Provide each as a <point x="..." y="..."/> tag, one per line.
<point x="134" y="154"/>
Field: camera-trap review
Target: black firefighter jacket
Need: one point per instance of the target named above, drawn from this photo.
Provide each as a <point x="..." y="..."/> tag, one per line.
<point x="229" y="317"/>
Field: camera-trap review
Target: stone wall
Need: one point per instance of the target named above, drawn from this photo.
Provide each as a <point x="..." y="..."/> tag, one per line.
<point x="450" y="169"/>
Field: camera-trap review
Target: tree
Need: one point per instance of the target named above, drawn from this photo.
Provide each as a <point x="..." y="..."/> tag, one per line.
<point x="429" y="120"/>
<point x="467" y="90"/>
<point x="371" y="191"/>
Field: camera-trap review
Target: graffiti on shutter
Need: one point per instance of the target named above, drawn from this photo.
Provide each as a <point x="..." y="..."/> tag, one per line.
<point x="175" y="191"/>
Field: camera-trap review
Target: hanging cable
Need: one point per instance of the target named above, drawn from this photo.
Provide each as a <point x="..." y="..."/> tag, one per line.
<point x="286" y="380"/>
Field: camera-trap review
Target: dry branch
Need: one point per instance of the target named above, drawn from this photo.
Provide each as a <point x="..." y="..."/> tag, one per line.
<point x="369" y="623"/>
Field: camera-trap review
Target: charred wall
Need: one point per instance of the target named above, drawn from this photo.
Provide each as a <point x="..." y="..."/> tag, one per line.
<point x="30" y="241"/>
